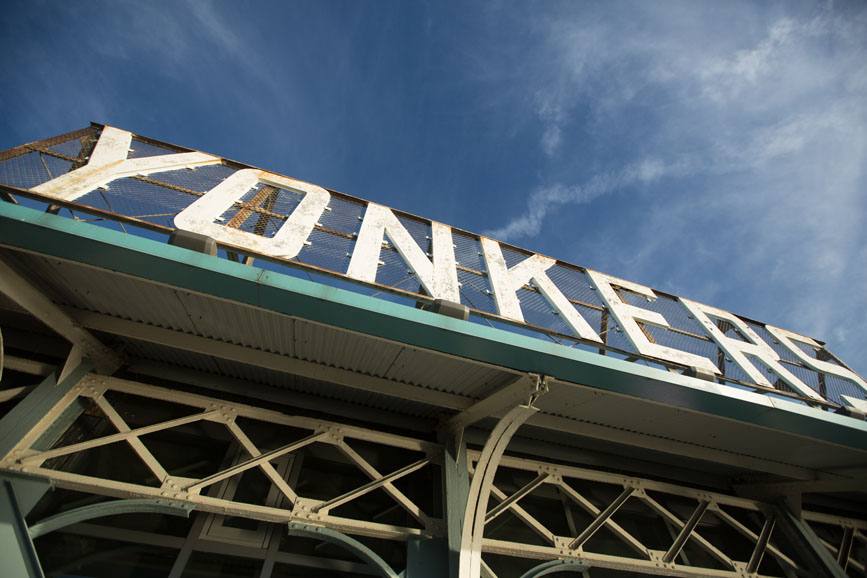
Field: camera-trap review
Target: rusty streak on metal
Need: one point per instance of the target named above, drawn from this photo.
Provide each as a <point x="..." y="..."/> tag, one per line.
<point x="246" y="209"/>
<point x="262" y="223"/>
<point x="25" y="148"/>
<point x="603" y="329"/>
<point x="49" y="152"/>
<point x="177" y="188"/>
<point x="88" y="143"/>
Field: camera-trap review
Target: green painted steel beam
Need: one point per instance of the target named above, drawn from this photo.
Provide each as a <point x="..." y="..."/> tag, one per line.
<point x="426" y="558"/>
<point x="32" y="230"/>
<point x="112" y="508"/>
<point x="820" y="562"/>
<point x="29" y="411"/>
<point x="456" y="486"/>
<point x="18" y="494"/>
<point x="348" y="543"/>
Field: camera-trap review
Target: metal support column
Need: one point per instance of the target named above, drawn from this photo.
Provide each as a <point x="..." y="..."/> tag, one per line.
<point x="426" y="558"/>
<point x="456" y="489"/>
<point x="821" y="563"/>
<point x="18" y="495"/>
<point x="42" y="405"/>
<point x="483" y="480"/>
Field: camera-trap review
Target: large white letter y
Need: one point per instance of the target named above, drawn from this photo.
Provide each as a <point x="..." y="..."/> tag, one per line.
<point x="108" y="162"/>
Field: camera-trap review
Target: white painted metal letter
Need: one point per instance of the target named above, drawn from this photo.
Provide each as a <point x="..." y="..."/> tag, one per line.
<point x="788" y="340"/>
<point x="439" y="277"/>
<point x="505" y="283"/>
<point x="108" y="162"/>
<point x="286" y="243"/>
<point x="739" y="350"/>
<point x="627" y="317"/>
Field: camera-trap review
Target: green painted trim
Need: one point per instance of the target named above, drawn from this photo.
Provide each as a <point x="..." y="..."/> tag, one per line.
<point x="31" y="230"/>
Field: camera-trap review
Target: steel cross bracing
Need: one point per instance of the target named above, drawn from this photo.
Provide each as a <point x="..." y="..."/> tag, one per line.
<point x="92" y="389"/>
<point x="555" y="489"/>
<point x="557" y="515"/>
<point x="846" y="531"/>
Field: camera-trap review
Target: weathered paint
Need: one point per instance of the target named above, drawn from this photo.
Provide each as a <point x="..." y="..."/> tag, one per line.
<point x="286" y="243"/>
<point x="108" y="162"/>
<point x="627" y="317"/>
<point x="506" y="281"/>
<point x="439" y="278"/>
<point x="739" y="350"/>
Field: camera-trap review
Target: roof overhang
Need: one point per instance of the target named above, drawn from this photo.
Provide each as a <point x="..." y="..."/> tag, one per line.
<point x="591" y="396"/>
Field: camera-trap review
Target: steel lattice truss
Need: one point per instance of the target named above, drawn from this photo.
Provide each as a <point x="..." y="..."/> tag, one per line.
<point x="294" y="507"/>
<point x="544" y="514"/>
<point x="716" y="527"/>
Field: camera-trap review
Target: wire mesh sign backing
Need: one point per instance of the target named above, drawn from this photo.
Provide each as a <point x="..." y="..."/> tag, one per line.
<point x="139" y="185"/>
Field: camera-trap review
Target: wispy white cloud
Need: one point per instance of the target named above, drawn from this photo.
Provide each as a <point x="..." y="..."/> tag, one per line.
<point x="552" y="116"/>
<point x="768" y="127"/>
<point x="725" y="78"/>
<point x="545" y="200"/>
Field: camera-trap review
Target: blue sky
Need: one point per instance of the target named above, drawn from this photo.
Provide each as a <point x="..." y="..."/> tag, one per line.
<point x="715" y="150"/>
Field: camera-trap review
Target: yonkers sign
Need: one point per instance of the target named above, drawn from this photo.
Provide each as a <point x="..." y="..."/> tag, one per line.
<point x="435" y="266"/>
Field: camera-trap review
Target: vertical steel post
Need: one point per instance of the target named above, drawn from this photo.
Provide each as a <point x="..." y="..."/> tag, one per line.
<point x="18" y="495"/>
<point x="426" y="558"/>
<point x="820" y="562"/>
<point x="456" y="489"/>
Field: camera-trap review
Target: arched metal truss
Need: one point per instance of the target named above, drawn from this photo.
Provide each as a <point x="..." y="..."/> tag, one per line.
<point x="345" y="542"/>
<point x="480" y="489"/>
<point x="554" y="566"/>
<point x="113" y="508"/>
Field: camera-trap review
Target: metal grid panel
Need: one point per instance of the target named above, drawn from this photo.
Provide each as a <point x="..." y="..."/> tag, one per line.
<point x="31" y="169"/>
<point x="513" y="255"/>
<point x="475" y="293"/>
<point x="344" y="217"/>
<point x="835" y="387"/>
<point x="140" y="199"/>
<point x="326" y="251"/>
<point x="70" y="148"/>
<point x="537" y="311"/>
<point x="574" y="284"/>
<point x="140" y="149"/>
<point x="199" y="179"/>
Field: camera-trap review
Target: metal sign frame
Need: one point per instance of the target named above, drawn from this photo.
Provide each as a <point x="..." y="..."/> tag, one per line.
<point x="255" y="214"/>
